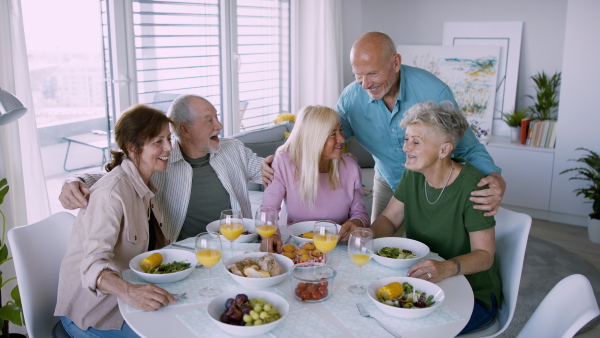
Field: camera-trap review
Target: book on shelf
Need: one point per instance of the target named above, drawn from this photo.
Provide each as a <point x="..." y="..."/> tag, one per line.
<point x="530" y="132"/>
<point x="552" y="139"/>
<point x="525" y="129"/>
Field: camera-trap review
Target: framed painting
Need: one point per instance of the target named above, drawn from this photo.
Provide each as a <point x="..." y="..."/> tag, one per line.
<point x="471" y="74"/>
<point x="507" y="36"/>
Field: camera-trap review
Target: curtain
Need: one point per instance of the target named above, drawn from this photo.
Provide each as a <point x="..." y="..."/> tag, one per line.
<point x="20" y="155"/>
<point x="320" y="57"/>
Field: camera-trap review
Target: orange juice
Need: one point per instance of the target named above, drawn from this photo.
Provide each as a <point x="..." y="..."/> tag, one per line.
<point x="232" y="231"/>
<point x="360" y="259"/>
<point x="208" y="257"/>
<point x="266" y="231"/>
<point x="326" y="242"/>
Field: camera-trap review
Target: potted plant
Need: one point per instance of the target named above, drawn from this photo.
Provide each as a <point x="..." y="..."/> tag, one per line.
<point x="590" y="173"/>
<point x="513" y="120"/>
<point x="545" y="103"/>
<point x="12" y="310"/>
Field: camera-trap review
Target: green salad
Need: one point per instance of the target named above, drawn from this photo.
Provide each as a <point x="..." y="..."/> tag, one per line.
<point x="170" y="267"/>
<point x="410" y="299"/>
<point x="397" y="253"/>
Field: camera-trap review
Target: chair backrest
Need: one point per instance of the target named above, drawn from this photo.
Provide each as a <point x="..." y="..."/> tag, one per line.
<point x="512" y="230"/>
<point x="38" y="250"/>
<point x="551" y="319"/>
<point x="162" y="101"/>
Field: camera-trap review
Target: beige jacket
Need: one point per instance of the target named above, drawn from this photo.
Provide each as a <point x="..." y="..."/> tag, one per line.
<point x="107" y="235"/>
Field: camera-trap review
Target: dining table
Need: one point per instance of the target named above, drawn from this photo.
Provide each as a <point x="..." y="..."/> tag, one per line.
<point x="336" y="316"/>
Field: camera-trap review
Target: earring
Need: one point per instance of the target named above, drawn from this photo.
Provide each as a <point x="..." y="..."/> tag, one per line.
<point x="441" y="157"/>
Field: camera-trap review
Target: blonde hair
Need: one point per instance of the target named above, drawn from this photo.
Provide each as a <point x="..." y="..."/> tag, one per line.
<point x="443" y="116"/>
<point x="305" y="145"/>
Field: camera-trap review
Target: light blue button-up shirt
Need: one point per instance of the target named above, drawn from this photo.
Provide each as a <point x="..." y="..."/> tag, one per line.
<point x="378" y="129"/>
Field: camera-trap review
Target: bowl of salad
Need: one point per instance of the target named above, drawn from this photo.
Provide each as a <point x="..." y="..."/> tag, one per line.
<point x="174" y="265"/>
<point x="248" y="236"/>
<point x="398" y="252"/>
<point x="405" y="297"/>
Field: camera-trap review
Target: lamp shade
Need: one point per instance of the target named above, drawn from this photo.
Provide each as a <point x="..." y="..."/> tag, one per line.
<point x="10" y="108"/>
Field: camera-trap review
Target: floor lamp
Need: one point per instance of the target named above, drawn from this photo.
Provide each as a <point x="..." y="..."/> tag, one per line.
<point x="11" y="108"/>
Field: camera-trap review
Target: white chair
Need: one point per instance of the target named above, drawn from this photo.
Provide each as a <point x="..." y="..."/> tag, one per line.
<point x="512" y="230"/>
<point x="551" y="319"/>
<point x="38" y="250"/>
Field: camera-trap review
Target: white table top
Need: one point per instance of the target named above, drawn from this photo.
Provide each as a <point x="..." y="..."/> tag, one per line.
<point x="168" y="321"/>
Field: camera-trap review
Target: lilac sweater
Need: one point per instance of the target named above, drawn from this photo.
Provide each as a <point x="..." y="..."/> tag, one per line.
<point x="340" y="205"/>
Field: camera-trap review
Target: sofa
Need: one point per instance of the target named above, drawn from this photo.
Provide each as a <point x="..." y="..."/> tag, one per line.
<point x="264" y="142"/>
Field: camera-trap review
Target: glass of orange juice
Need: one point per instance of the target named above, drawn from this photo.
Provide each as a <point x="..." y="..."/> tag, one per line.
<point x="265" y="221"/>
<point x="232" y="226"/>
<point x="208" y="253"/>
<point x="325" y="237"/>
<point x="360" y="250"/>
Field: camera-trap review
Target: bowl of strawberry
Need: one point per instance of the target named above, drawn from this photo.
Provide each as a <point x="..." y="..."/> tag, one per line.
<point x="312" y="282"/>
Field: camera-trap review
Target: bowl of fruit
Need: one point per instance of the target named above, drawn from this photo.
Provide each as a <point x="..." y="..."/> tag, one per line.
<point x="247" y="313"/>
<point x="164" y="265"/>
<point x="398" y="252"/>
<point x="312" y="282"/>
<point x="258" y="269"/>
<point x="249" y="234"/>
<point x="302" y="232"/>
<point x="405" y="297"/>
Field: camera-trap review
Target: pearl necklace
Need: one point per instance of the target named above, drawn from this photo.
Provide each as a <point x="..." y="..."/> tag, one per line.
<point x="445" y="185"/>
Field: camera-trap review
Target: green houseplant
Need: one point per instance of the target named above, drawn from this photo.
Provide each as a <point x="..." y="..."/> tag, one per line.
<point x="545" y="103"/>
<point x="591" y="174"/>
<point x="12" y="310"/>
<point x="513" y="120"/>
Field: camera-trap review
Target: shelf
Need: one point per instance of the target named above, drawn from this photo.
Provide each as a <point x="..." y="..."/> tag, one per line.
<point x="504" y="142"/>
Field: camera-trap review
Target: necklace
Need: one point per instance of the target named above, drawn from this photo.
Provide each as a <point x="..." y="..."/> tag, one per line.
<point x="445" y="185"/>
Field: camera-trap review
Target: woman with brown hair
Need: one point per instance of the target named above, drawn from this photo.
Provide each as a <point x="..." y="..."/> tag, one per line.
<point x="120" y="222"/>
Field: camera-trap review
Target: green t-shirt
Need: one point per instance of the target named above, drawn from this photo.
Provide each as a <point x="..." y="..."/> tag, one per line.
<point x="445" y="225"/>
<point x="208" y="198"/>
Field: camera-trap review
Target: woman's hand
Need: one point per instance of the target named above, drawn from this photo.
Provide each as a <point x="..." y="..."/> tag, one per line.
<point x="275" y="244"/>
<point x="147" y="297"/>
<point x="347" y="228"/>
<point x="436" y="269"/>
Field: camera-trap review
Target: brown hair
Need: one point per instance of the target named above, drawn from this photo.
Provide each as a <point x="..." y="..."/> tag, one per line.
<point x="138" y="124"/>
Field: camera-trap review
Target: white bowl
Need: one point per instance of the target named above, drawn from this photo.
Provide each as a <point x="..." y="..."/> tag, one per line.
<point x="169" y="256"/>
<point x="216" y="307"/>
<point x="417" y="248"/>
<point x="420" y="285"/>
<point x="248" y="225"/>
<point x="259" y="283"/>
<point x="297" y="229"/>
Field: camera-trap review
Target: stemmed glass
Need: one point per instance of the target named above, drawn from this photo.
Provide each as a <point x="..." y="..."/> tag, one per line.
<point x="208" y="253"/>
<point x="265" y="221"/>
<point x="232" y="226"/>
<point x="325" y="237"/>
<point x="360" y="250"/>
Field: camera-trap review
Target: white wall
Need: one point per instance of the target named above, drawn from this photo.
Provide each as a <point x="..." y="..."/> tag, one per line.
<point x="579" y="110"/>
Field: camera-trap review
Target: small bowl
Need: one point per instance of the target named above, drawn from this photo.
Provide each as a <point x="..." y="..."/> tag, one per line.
<point x="169" y="256"/>
<point x="297" y="229"/>
<point x="420" y="285"/>
<point x="248" y="225"/>
<point x="417" y="248"/>
<point x="305" y="275"/>
<point x="216" y="307"/>
<point x="259" y="283"/>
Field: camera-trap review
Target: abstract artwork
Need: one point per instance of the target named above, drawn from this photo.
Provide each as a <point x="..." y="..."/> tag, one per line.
<point x="506" y="35"/>
<point x="471" y="74"/>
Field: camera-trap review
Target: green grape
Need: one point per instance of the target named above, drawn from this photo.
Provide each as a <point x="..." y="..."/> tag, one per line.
<point x="258" y="322"/>
<point x="263" y="315"/>
<point x="267" y="307"/>
<point x="247" y="318"/>
<point x="254" y="315"/>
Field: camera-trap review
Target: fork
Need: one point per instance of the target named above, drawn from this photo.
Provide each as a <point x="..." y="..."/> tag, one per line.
<point x="363" y="312"/>
<point x="179" y="296"/>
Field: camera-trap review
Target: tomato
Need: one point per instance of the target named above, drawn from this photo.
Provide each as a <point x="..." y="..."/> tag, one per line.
<point x="324" y="283"/>
<point x="312" y="288"/>
<point x="315" y="295"/>
<point x="305" y="295"/>
<point x="323" y="291"/>
<point x="308" y="284"/>
<point x="298" y="292"/>
<point x="301" y="286"/>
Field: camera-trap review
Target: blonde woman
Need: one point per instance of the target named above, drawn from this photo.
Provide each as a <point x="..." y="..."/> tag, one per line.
<point x="312" y="175"/>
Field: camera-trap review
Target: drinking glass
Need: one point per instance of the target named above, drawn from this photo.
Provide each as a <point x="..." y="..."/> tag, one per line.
<point x="360" y="250"/>
<point x="265" y="221"/>
<point x="325" y="237"/>
<point x="208" y="253"/>
<point x="232" y="226"/>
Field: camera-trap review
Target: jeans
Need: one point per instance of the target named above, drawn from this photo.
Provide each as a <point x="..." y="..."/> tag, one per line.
<point x="481" y="315"/>
<point x="75" y="332"/>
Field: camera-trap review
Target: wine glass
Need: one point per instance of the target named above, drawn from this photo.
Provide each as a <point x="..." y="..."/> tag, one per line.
<point x="232" y="226"/>
<point x="265" y="221"/>
<point x="325" y="237"/>
<point x="360" y="250"/>
<point x="208" y="253"/>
